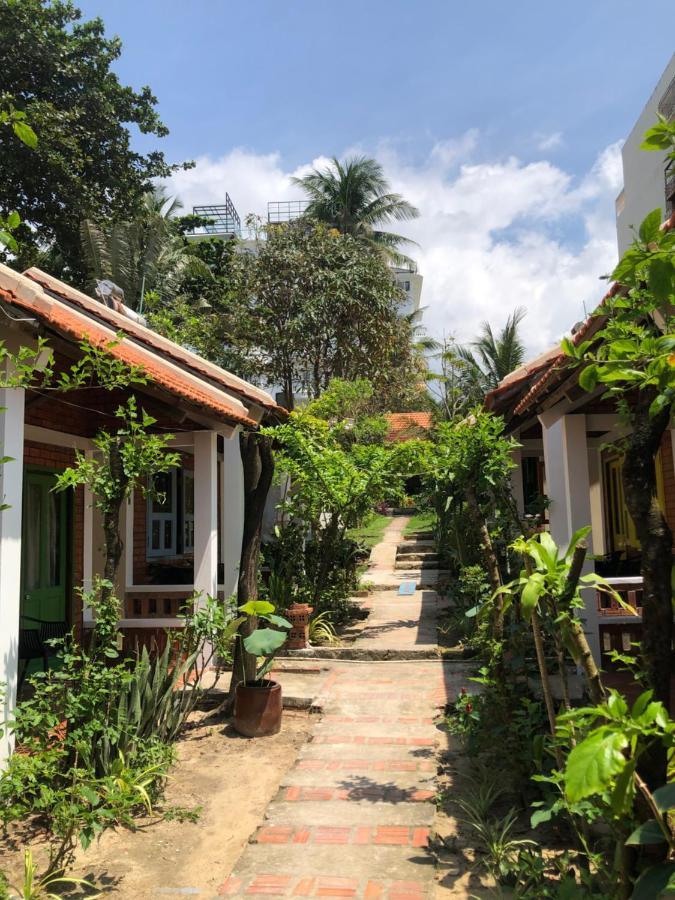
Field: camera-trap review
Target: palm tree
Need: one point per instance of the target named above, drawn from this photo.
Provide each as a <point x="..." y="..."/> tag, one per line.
<point x="354" y="197"/>
<point x="141" y="254"/>
<point x="490" y="358"/>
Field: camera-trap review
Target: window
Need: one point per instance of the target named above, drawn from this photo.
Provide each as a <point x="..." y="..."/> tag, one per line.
<point x="162" y="515"/>
<point x="171" y="514"/>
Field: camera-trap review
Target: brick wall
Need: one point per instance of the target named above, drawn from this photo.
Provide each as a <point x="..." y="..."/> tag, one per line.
<point x="58" y="458"/>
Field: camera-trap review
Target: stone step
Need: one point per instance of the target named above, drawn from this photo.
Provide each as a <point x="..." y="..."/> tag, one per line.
<point x="416" y="563"/>
<point x="423" y="556"/>
<point x="365" y="654"/>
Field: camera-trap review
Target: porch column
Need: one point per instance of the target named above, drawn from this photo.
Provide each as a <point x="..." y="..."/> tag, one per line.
<point x="568" y="487"/>
<point x="206" y="513"/>
<point x="11" y="495"/>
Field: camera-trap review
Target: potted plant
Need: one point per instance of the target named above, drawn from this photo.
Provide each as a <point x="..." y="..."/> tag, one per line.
<point x="258" y="703"/>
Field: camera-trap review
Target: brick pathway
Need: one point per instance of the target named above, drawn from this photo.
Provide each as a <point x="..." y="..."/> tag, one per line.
<point x="353" y="817"/>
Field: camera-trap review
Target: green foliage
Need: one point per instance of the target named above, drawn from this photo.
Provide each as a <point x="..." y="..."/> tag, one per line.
<point x="470" y="459"/>
<point x="83" y="165"/>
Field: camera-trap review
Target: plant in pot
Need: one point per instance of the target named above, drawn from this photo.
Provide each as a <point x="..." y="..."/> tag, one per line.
<point x="257" y="703"/>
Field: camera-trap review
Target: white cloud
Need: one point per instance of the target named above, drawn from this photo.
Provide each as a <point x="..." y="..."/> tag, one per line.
<point x="549" y="141"/>
<point x="492" y="235"/>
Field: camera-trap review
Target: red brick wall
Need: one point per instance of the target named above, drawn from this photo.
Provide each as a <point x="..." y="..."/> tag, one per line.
<point x="59" y="458"/>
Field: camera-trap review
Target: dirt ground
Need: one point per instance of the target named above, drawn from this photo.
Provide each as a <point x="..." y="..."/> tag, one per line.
<point x="231" y="777"/>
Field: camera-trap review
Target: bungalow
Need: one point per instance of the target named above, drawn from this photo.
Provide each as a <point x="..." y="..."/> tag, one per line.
<point x="50" y="544"/>
<point x="569" y="466"/>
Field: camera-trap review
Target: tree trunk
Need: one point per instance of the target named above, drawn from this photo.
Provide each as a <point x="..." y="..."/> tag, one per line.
<point x="639" y="482"/>
<point x="258" y="466"/>
<point x="491" y="561"/>
<point x="111" y="522"/>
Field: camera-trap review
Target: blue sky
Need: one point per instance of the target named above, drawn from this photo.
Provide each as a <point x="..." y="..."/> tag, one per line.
<point x="510" y="111"/>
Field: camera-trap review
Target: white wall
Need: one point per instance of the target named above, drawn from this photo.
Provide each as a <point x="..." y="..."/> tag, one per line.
<point x="11" y="488"/>
<point x="643" y="171"/>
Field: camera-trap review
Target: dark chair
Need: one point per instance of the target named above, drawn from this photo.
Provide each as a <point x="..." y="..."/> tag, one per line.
<point x="34" y="643"/>
<point x="30" y="648"/>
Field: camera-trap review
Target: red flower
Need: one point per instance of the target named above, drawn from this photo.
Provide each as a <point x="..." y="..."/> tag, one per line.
<point x="469" y="707"/>
<point x="463" y="692"/>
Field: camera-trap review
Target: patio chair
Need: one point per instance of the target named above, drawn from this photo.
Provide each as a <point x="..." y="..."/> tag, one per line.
<point x="34" y="643"/>
<point x="30" y="648"/>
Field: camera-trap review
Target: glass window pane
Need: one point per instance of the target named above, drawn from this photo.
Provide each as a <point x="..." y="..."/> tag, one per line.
<point x="168" y="534"/>
<point x="155" y="535"/>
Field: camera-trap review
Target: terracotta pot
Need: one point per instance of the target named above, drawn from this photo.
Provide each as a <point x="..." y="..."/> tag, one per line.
<point x="257" y="708"/>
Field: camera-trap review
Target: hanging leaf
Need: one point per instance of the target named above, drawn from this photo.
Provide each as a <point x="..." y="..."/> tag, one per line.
<point x="264" y="641"/>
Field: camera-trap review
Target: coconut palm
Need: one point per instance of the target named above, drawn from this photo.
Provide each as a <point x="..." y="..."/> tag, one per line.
<point x="491" y="357"/>
<point x="354" y="197"/>
<point x="141" y="254"/>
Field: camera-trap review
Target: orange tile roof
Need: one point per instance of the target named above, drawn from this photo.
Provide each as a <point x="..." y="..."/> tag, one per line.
<point x="154" y="341"/>
<point x="26" y="294"/>
<point x="406" y="426"/>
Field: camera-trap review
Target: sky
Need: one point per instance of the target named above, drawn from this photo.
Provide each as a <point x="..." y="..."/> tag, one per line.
<point x="502" y="122"/>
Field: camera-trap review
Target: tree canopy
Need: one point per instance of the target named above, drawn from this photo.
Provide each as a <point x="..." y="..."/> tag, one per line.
<point x="57" y="70"/>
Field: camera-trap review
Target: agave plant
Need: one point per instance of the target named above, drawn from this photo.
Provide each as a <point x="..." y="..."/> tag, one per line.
<point x="35" y="888"/>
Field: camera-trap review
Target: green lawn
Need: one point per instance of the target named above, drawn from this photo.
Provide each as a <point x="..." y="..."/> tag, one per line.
<point x="370" y="533"/>
<point x="421" y="521"/>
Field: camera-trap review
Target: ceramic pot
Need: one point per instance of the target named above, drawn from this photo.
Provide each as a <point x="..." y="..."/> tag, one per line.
<point x="257" y="708"/>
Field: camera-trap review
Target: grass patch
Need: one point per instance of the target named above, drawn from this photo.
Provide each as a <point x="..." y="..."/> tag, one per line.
<point x="420" y="521"/>
<point x="371" y="532"/>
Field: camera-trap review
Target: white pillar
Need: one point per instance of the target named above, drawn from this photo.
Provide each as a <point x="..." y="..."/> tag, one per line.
<point x="206" y="513"/>
<point x="11" y="495"/>
<point x="232" y="512"/>
<point x="568" y="487"/>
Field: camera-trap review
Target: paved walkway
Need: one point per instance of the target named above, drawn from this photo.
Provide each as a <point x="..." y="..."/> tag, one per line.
<point x="353" y="817"/>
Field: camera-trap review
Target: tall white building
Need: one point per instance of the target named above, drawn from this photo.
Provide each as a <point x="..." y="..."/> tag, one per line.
<point x="648" y="179"/>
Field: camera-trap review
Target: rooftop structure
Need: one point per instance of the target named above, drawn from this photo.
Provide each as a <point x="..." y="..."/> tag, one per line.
<point x="223" y="219"/>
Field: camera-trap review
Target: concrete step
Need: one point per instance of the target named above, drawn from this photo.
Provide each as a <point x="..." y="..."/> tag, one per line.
<point x="327" y="865"/>
<point x="424" y="563"/>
